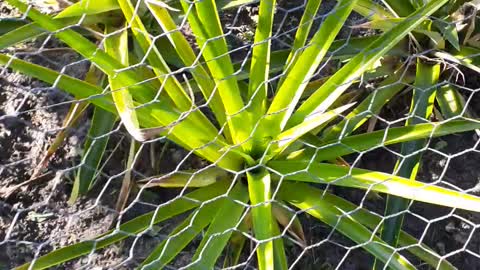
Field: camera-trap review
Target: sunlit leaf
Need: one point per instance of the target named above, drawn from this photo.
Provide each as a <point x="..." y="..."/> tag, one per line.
<point x="371" y="180"/>
<point x="363" y="142"/>
<point x="306" y="64"/>
<point x="260" y="195"/>
<point x="88" y="7"/>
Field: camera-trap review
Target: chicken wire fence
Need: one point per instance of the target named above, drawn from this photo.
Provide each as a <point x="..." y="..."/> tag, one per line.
<point x="145" y="174"/>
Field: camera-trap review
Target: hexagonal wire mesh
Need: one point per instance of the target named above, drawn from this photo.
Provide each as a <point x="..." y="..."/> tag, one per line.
<point x="239" y="134"/>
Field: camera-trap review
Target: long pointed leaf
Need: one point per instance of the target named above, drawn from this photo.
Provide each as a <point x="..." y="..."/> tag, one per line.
<point x="189" y="59"/>
<point x="305" y="25"/>
<point x="380" y="182"/>
<point x="170" y="84"/>
<point x="307" y="63"/>
<point x="220" y="230"/>
<point x="205" y="22"/>
<point x="10" y="24"/>
<point x="88" y="7"/>
<point x="343" y="78"/>
<point x="370" y="106"/>
<point x="339" y="50"/>
<point x="279" y="256"/>
<point x="32" y="30"/>
<point x="102" y="123"/>
<point x="303" y="30"/>
<point x="116" y="45"/>
<point x="181" y="236"/>
<point x="258" y="79"/>
<point x="286" y="138"/>
<point x="260" y="195"/>
<point x="359" y="143"/>
<point x="78" y="88"/>
<point x="420" y="110"/>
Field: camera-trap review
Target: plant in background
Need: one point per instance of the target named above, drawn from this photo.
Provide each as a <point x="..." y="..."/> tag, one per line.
<point x="448" y="37"/>
<point x="268" y="150"/>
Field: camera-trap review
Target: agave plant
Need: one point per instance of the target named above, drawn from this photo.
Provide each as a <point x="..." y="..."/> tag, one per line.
<point x="273" y="154"/>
